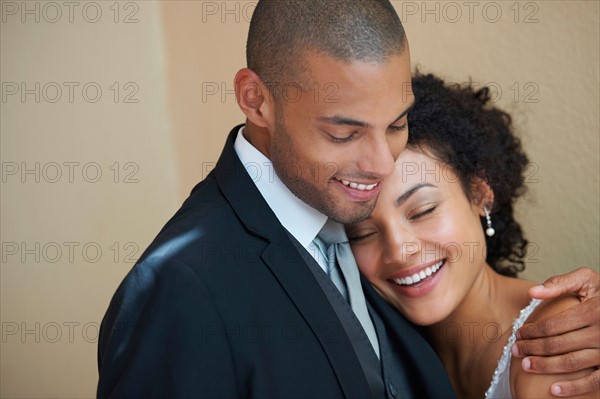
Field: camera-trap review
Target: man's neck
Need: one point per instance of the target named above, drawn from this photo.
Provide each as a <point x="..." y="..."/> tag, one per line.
<point x="259" y="138"/>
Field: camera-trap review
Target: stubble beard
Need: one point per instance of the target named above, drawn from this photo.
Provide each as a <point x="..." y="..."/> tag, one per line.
<point x="302" y="180"/>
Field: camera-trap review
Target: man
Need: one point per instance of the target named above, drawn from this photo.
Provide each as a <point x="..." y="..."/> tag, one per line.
<point x="236" y="297"/>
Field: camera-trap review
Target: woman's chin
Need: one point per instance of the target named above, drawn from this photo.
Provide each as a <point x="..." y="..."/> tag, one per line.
<point x="423" y="320"/>
<point x="423" y="313"/>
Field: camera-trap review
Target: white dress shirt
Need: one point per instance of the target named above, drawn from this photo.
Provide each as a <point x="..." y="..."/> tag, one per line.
<point x="300" y="219"/>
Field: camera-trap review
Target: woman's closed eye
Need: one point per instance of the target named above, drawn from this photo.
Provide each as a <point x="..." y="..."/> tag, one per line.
<point x="360" y="235"/>
<point x="422" y="212"/>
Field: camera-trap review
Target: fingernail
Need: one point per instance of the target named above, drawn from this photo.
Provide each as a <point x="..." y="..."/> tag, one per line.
<point x="518" y="335"/>
<point x="514" y="350"/>
<point x="526" y="363"/>
<point x="556" y="390"/>
<point x="539" y="287"/>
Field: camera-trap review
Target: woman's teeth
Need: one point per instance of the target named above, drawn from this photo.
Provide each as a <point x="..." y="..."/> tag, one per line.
<point x="415" y="278"/>
<point x="362" y="187"/>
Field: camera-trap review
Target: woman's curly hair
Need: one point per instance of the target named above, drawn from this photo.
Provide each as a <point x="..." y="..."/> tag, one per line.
<point x="458" y="126"/>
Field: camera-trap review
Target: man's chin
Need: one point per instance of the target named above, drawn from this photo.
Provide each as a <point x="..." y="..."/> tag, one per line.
<point x="353" y="213"/>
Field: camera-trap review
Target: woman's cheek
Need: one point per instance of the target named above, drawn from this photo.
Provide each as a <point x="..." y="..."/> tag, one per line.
<point x="442" y="228"/>
<point x="364" y="261"/>
<point x="376" y="265"/>
<point x="443" y="232"/>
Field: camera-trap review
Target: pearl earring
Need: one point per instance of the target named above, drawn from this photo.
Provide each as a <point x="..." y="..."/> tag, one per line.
<point x="490" y="230"/>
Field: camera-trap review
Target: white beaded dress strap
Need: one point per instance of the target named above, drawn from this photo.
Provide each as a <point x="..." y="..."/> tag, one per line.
<point x="500" y="385"/>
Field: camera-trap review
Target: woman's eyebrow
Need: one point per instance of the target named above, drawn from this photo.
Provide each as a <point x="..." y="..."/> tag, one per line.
<point x="402" y="198"/>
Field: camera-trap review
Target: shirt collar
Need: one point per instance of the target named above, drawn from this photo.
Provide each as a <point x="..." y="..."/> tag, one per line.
<point x="300" y="219"/>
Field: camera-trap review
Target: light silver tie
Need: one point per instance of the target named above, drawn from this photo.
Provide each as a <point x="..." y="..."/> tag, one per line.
<point x="342" y="266"/>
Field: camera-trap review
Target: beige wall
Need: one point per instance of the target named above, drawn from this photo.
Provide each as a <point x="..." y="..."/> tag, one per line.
<point x="170" y="60"/>
<point x="60" y="293"/>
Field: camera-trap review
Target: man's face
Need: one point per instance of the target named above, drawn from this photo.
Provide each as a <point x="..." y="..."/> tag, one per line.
<point x="335" y="142"/>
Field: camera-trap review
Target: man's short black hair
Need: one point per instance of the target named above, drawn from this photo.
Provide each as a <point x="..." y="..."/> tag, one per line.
<point x="282" y="32"/>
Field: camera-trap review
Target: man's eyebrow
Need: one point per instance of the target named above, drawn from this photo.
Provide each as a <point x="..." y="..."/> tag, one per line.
<point x="340" y="120"/>
<point x="402" y="115"/>
<point x="402" y="198"/>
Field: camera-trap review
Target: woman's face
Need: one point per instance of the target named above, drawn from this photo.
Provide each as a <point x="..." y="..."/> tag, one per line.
<point x="423" y="246"/>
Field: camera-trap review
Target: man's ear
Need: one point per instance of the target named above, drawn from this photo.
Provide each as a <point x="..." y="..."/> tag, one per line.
<point x="482" y="195"/>
<point x="254" y="98"/>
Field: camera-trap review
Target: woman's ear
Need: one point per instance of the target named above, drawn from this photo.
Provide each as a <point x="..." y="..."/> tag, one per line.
<point x="482" y="195"/>
<point x="254" y="98"/>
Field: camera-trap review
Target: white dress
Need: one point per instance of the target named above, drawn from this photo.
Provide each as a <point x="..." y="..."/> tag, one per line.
<point x="500" y="385"/>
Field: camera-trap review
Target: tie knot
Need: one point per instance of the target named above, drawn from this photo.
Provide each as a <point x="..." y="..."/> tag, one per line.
<point x="333" y="233"/>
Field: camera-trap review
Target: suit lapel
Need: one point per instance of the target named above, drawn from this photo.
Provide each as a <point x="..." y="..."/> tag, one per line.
<point x="295" y="277"/>
<point x="288" y="267"/>
<point x="241" y="192"/>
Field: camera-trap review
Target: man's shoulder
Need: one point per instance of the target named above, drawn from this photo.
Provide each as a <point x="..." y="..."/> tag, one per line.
<point x="205" y="219"/>
<point x="198" y="245"/>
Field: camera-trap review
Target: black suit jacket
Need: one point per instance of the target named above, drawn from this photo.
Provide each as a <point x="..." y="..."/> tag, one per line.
<point x="222" y="305"/>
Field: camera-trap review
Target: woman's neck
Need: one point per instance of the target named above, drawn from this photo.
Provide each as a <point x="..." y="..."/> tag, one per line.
<point x="471" y="339"/>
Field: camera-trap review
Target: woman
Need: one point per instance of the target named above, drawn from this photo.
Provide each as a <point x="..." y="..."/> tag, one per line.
<point x="442" y="244"/>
